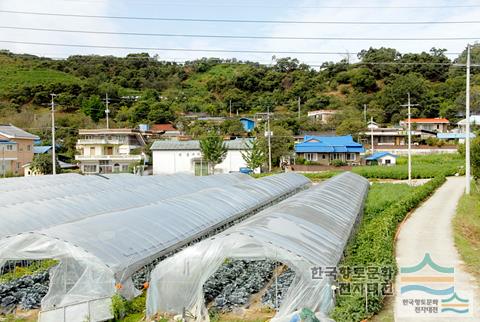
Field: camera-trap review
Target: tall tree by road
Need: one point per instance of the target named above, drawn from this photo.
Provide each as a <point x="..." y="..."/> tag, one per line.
<point x="213" y="150"/>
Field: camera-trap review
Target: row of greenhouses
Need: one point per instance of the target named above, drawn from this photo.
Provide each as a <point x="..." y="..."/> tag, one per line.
<point x="103" y="229"/>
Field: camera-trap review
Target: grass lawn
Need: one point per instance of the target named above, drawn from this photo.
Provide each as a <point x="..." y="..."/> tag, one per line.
<point x="467" y="230"/>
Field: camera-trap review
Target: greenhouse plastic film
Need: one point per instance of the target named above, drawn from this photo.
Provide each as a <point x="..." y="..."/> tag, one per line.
<point x="307" y="230"/>
<point x="103" y="250"/>
<point x="93" y="195"/>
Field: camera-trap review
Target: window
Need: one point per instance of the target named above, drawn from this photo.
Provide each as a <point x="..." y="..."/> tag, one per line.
<point x="104" y="162"/>
<point x="388" y="161"/>
<point x="311" y="156"/>
<point x="335" y="156"/>
<point x="92" y="150"/>
<point x="90" y="168"/>
<point x="124" y="168"/>
<point x="18" y="165"/>
<point x="179" y="154"/>
<point x="323" y="156"/>
<point x="351" y="157"/>
<point x="29" y="147"/>
<point x="9" y="147"/>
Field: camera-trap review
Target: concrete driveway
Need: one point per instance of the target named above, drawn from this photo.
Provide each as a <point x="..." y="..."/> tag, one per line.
<point x="428" y="235"/>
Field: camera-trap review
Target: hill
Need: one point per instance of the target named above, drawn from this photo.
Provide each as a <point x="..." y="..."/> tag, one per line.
<point x="144" y="89"/>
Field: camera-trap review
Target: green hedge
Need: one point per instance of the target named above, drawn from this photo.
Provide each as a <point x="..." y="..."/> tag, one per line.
<point x="400" y="172"/>
<point x="374" y="245"/>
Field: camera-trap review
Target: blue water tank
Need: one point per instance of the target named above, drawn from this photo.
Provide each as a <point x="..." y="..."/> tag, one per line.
<point x="144" y="127"/>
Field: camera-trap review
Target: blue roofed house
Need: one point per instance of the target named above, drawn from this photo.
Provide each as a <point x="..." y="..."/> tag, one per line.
<point x="248" y="124"/>
<point x="381" y="158"/>
<point x="325" y="149"/>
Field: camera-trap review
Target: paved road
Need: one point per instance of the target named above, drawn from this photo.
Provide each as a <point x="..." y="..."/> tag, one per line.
<point x="429" y="230"/>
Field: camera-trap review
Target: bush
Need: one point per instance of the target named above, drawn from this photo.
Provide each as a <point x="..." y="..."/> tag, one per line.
<point x="121" y="308"/>
<point x="400" y="172"/>
<point x="338" y="163"/>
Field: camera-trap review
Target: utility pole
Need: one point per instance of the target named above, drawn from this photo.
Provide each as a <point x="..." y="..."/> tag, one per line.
<point x="467" y="115"/>
<point x="54" y="158"/>
<point x="299" y="105"/>
<point x="371" y="134"/>
<point x="107" y="111"/>
<point x="409" y="142"/>
<point x="409" y="105"/>
<point x="269" y="134"/>
<point x="3" y="161"/>
<point x="365" y="113"/>
<point x="230" y="104"/>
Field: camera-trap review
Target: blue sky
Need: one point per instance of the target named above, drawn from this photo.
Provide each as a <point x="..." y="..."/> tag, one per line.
<point x="236" y="9"/>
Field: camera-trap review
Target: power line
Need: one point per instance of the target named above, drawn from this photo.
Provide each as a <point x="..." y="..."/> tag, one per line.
<point x="186" y="49"/>
<point x="234" y="36"/>
<point x="177" y="49"/>
<point x="162" y="3"/>
<point x="241" y="20"/>
<point x="184" y="60"/>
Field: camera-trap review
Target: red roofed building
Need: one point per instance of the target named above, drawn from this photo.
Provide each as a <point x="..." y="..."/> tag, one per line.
<point x="166" y="130"/>
<point x="428" y="124"/>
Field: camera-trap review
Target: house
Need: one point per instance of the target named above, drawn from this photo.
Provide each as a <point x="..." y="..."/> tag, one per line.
<point x="42" y="149"/>
<point x="386" y="136"/>
<point x="325" y="149"/>
<point x="382" y="158"/>
<point x="427" y="124"/>
<point x="248" y="124"/>
<point x="323" y="116"/>
<point x="454" y="137"/>
<point x="185" y="156"/>
<point x="166" y="130"/>
<point x="109" y="150"/>
<point x="474" y="121"/>
<point x="16" y="149"/>
<point x="29" y="172"/>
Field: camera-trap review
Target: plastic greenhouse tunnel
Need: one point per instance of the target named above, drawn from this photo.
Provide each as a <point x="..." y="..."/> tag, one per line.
<point x="309" y="229"/>
<point x="68" y="198"/>
<point x="98" y="254"/>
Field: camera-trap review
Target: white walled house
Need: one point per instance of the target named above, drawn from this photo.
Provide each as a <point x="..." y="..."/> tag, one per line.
<point x="382" y="158"/>
<point x="108" y="150"/>
<point x="185" y="156"/>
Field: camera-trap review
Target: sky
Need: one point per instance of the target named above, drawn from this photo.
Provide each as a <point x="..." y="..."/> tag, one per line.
<point x="302" y="10"/>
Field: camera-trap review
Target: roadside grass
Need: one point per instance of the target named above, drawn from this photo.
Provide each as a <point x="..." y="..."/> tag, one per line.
<point x="387" y="313"/>
<point x="466" y="225"/>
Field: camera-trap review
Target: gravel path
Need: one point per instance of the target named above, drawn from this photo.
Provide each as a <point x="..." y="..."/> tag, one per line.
<point x="429" y="230"/>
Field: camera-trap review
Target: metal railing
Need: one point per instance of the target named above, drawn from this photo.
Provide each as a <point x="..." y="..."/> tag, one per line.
<point x="108" y="157"/>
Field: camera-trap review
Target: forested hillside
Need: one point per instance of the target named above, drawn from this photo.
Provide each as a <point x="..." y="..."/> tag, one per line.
<point x="144" y="89"/>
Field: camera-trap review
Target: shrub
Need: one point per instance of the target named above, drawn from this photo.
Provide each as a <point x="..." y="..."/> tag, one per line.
<point x="338" y="163"/>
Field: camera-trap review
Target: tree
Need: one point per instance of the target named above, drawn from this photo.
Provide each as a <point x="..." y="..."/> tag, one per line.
<point x="160" y="113"/>
<point x="42" y="163"/>
<point x="232" y="127"/>
<point x="213" y="150"/>
<point x="281" y="141"/>
<point x="94" y="108"/>
<point x="254" y="156"/>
